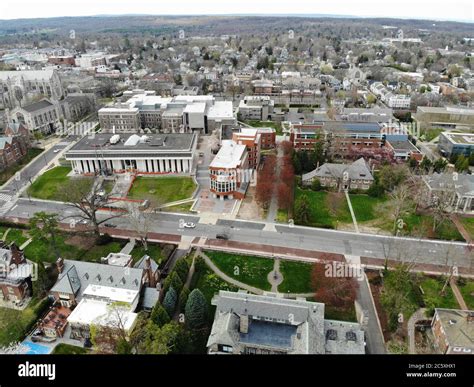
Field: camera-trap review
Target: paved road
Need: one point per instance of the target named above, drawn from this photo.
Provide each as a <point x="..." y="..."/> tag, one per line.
<point x="24" y="177"/>
<point x="331" y="241"/>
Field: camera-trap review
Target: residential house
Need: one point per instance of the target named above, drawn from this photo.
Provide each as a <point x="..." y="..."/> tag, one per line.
<point x="269" y="324"/>
<point x="15" y="274"/>
<point x="453" y="331"/>
<point x="355" y="176"/>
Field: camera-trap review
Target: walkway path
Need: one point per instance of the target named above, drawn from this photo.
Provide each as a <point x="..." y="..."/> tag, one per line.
<point x="4" y="236"/>
<point x="418" y="315"/>
<point x="127" y="249"/>
<point x="23" y="246"/>
<point x="273" y="209"/>
<point x="462" y="230"/>
<point x="275" y="277"/>
<point x="457" y="294"/>
<point x="354" y="219"/>
<point x="241" y="285"/>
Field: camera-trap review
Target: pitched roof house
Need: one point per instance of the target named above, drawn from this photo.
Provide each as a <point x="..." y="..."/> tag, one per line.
<point x="342" y="176"/>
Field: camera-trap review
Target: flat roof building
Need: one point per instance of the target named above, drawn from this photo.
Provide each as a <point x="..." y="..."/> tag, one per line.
<point x="106" y="153"/>
<point x="456" y="144"/>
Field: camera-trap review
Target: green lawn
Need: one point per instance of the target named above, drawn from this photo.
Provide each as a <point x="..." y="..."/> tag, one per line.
<point x="108" y="186"/>
<point x="16" y="235"/>
<point x="66" y="349"/>
<point x="181" y="208"/>
<point x="365" y="207"/>
<point x="422" y="225"/>
<point x="468" y="224"/>
<point x="340" y="314"/>
<point x="154" y="251"/>
<point x="9" y="172"/>
<point x="432" y="296"/>
<point x="296" y="277"/>
<point x="265" y="124"/>
<point x="467" y="291"/>
<point x="250" y="270"/>
<point x="162" y="190"/>
<point x="50" y="184"/>
<point x="326" y="208"/>
<point x="15" y="324"/>
<point x="282" y="216"/>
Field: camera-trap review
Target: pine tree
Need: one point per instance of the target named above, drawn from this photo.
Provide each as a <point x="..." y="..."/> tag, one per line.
<point x="196" y="310"/>
<point x="169" y="303"/>
<point x="159" y="315"/>
<point x="182" y="268"/>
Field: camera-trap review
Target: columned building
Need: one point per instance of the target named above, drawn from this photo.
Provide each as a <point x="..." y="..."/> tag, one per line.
<point x="148" y="154"/>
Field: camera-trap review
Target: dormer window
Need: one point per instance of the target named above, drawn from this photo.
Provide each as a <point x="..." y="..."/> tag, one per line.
<point x="98" y="278"/>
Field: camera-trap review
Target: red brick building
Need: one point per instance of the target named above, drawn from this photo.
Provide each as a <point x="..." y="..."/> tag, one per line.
<point x="252" y="140"/>
<point x="15" y="274"/>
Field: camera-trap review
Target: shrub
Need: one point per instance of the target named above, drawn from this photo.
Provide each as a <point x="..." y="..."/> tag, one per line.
<point x="182" y="268"/>
<point x="104" y="239"/>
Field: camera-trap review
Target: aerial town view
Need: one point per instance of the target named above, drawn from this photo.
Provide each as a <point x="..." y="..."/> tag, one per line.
<point x="237" y="179"/>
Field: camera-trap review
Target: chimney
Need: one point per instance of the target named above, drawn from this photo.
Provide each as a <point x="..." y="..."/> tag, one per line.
<point x="244" y="324"/>
<point x="470" y="317"/>
<point x="60" y="265"/>
<point x="17" y="255"/>
<point x="149" y="272"/>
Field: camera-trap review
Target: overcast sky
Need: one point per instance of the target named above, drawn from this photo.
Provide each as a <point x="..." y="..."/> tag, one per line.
<point x="420" y="9"/>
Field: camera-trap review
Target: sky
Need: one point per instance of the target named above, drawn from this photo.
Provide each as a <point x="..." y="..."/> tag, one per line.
<point x="461" y="10"/>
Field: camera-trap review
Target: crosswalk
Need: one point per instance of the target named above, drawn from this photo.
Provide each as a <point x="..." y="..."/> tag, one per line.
<point x="5" y="197"/>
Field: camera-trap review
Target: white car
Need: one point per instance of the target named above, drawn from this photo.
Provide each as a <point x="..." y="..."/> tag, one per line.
<point x="189" y="225"/>
<point x="57" y="151"/>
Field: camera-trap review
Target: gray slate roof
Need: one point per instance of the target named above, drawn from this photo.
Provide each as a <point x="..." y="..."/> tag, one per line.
<point x="358" y="170"/>
<point x="37" y="106"/>
<point x="464" y="185"/>
<point x="77" y="275"/>
<point x="292" y="326"/>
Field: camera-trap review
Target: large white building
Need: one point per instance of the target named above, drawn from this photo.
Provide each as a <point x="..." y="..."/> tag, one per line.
<point x="147" y="154"/>
<point x="185" y="113"/>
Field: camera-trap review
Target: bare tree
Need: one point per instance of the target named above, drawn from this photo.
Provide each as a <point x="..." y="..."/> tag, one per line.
<point x="140" y="222"/>
<point x="89" y="201"/>
<point x="400" y="199"/>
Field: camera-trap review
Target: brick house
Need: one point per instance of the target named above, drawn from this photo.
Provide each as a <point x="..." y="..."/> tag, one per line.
<point x="453" y="331"/>
<point x="12" y="150"/>
<point x="15" y="274"/>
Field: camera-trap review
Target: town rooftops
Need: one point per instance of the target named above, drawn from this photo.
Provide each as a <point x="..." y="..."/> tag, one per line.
<point x="221" y="110"/>
<point x="464" y="185"/>
<point x="230" y="155"/>
<point x="458" y="327"/>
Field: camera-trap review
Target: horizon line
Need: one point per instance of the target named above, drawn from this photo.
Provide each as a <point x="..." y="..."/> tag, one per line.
<point x="280" y="15"/>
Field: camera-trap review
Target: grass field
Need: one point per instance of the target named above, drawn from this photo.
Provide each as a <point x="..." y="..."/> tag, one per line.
<point x="15" y="324"/>
<point x="66" y="349"/>
<point x="365" y="207"/>
<point x="468" y="224"/>
<point x="181" y="208"/>
<point x="162" y="190"/>
<point x="265" y="124"/>
<point x="154" y="251"/>
<point x="296" y="277"/>
<point x="432" y="296"/>
<point x="422" y="225"/>
<point x="326" y="208"/>
<point x="467" y="292"/>
<point x="250" y="270"/>
<point x="50" y="184"/>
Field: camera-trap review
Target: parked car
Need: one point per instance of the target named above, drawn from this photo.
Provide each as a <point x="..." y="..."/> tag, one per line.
<point x="224" y="237"/>
<point x="110" y="225"/>
<point x="189" y="225"/>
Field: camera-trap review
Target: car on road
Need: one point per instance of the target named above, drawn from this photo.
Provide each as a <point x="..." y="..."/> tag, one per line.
<point x="57" y="151"/>
<point x="224" y="237"/>
<point x="190" y="225"/>
<point x="110" y="225"/>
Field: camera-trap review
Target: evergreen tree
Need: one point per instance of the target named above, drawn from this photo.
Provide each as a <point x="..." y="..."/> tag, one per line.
<point x="169" y="302"/>
<point x="159" y="315"/>
<point x="182" y="268"/>
<point x="196" y="310"/>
